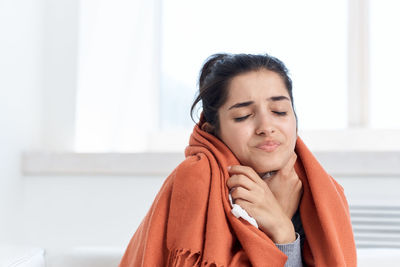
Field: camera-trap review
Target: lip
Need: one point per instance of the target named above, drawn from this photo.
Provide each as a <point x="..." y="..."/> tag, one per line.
<point x="269" y="145"/>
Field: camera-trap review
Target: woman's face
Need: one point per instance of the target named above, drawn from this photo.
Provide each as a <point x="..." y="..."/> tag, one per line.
<point x="257" y="121"/>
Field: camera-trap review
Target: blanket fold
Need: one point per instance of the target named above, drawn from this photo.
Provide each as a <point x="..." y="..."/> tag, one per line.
<point x="190" y="221"/>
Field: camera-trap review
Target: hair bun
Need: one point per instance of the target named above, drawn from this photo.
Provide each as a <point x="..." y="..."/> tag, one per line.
<point x="208" y="66"/>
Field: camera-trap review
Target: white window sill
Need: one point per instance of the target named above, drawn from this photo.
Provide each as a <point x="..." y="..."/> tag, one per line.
<point x="356" y="152"/>
<point x="69" y="163"/>
<point x="343" y="163"/>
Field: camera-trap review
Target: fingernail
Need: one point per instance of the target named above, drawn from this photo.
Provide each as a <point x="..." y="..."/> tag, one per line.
<point x="229" y="168"/>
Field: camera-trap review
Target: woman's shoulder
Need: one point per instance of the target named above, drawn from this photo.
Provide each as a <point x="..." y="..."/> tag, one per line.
<point x="194" y="165"/>
<point x="194" y="169"/>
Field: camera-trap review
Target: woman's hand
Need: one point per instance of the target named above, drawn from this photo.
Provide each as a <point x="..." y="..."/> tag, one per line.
<point x="287" y="187"/>
<point x="253" y="195"/>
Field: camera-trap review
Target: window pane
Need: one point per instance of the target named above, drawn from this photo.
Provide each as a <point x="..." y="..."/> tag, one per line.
<point x="118" y="75"/>
<point x="309" y="36"/>
<point x="385" y="58"/>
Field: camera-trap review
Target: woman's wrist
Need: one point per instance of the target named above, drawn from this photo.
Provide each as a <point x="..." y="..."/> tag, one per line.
<point x="283" y="233"/>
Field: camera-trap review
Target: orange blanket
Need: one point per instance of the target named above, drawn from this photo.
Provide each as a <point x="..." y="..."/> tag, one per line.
<point x="190" y="223"/>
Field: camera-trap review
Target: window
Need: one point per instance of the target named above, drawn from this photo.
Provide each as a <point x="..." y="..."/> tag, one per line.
<point x="118" y="77"/>
<point x="309" y="36"/>
<point x="139" y="63"/>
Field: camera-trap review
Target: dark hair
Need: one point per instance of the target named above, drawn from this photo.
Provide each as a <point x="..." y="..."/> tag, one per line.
<point x="220" y="69"/>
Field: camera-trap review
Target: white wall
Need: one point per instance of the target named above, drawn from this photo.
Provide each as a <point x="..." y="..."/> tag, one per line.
<point x="84" y="211"/>
<point x="21" y="85"/>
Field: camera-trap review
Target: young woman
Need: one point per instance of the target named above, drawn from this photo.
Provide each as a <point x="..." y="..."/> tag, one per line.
<point x="249" y="192"/>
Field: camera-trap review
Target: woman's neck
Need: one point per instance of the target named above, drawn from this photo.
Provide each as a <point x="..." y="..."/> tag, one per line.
<point x="269" y="174"/>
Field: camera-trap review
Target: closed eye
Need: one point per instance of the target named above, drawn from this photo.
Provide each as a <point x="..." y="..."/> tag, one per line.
<point x="280" y="113"/>
<point x="239" y="119"/>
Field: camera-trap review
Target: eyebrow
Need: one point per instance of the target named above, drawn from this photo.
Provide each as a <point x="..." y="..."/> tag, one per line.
<point x="242" y="104"/>
<point x="278" y="98"/>
<point x="248" y="103"/>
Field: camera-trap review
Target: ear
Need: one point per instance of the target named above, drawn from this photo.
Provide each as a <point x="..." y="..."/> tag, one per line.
<point x="207" y="127"/>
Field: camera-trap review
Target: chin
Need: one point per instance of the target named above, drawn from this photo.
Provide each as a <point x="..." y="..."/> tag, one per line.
<point x="268" y="168"/>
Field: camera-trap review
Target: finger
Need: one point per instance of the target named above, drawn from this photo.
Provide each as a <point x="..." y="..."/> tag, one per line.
<point x="243" y="194"/>
<point x="246" y="205"/>
<point x="240" y="180"/>
<point x="247" y="171"/>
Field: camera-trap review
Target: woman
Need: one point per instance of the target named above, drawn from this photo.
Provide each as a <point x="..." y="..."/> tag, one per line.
<point x="245" y="151"/>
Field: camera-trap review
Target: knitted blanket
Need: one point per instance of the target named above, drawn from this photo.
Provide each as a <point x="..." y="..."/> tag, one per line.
<point x="190" y="221"/>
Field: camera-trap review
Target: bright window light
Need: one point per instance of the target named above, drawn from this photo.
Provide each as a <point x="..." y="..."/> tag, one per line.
<point x="309" y="36"/>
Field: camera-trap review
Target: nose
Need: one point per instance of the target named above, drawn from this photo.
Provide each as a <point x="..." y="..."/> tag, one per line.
<point x="265" y="125"/>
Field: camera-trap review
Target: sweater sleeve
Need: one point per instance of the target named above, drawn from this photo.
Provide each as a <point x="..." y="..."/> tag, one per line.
<point x="293" y="252"/>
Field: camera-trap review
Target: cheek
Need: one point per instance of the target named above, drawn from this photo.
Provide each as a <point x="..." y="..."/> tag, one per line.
<point x="290" y="132"/>
<point x="235" y="136"/>
<point x="238" y="137"/>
